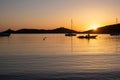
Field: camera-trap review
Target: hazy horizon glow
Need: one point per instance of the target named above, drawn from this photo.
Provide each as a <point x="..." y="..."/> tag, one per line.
<point x="49" y="14"/>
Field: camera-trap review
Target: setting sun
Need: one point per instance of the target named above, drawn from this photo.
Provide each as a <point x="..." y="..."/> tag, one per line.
<point x="95" y="26"/>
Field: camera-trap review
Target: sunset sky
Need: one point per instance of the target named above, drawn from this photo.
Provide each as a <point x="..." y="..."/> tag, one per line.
<point x="49" y="14"/>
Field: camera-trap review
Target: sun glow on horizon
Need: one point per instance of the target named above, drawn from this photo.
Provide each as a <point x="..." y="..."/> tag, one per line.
<point x="95" y="26"/>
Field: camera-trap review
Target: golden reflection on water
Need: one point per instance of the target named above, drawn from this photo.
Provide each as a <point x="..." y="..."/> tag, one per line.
<point x="58" y="44"/>
<point x="103" y="44"/>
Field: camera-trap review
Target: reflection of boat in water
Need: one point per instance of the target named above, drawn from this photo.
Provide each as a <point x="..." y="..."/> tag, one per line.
<point x="71" y="32"/>
<point x="87" y="37"/>
<point x="4" y="34"/>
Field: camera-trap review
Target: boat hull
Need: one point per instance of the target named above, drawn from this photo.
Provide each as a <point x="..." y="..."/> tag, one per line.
<point x="70" y="34"/>
<point x="114" y="34"/>
<point x="4" y="34"/>
<point x="87" y="37"/>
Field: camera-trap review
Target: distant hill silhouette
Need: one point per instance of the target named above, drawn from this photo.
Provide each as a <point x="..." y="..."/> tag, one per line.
<point x="63" y="30"/>
<point x="57" y="30"/>
<point x="109" y="29"/>
<point x="9" y="31"/>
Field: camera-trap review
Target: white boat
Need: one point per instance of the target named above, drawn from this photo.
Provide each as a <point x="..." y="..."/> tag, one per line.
<point x="70" y="33"/>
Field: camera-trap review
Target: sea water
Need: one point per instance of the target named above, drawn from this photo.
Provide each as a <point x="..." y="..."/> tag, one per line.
<point x="57" y="57"/>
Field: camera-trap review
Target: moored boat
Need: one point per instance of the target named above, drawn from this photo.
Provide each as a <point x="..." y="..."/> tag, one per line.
<point x="70" y="34"/>
<point x="4" y="34"/>
<point x="114" y="34"/>
<point x="87" y="37"/>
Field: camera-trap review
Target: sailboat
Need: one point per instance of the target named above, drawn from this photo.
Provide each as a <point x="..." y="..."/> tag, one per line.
<point x="116" y="33"/>
<point x="5" y="33"/>
<point x="71" y="33"/>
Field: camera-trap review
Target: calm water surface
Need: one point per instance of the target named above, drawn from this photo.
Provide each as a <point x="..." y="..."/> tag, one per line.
<point x="29" y="57"/>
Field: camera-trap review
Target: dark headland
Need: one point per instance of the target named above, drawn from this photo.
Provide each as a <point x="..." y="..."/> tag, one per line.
<point x="109" y="29"/>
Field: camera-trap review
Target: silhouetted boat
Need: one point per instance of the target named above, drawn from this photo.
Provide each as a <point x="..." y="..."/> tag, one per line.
<point x="114" y="34"/>
<point x="87" y="37"/>
<point x="117" y="31"/>
<point x="4" y="34"/>
<point x="70" y="33"/>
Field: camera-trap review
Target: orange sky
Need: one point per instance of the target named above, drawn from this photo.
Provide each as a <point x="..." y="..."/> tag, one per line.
<point x="49" y="14"/>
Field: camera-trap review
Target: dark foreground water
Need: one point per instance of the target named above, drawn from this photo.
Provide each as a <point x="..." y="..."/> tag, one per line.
<point x="29" y="57"/>
<point x="63" y="76"/>
<point x="83" y="67"/>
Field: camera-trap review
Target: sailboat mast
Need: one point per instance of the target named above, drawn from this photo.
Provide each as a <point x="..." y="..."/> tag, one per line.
<point x="116" y="20"/>
<point x="71" y="31"/>
<point x="71" y="25"/>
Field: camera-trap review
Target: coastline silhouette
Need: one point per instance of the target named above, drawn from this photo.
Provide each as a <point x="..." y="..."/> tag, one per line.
<point x="113" y="29"/>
